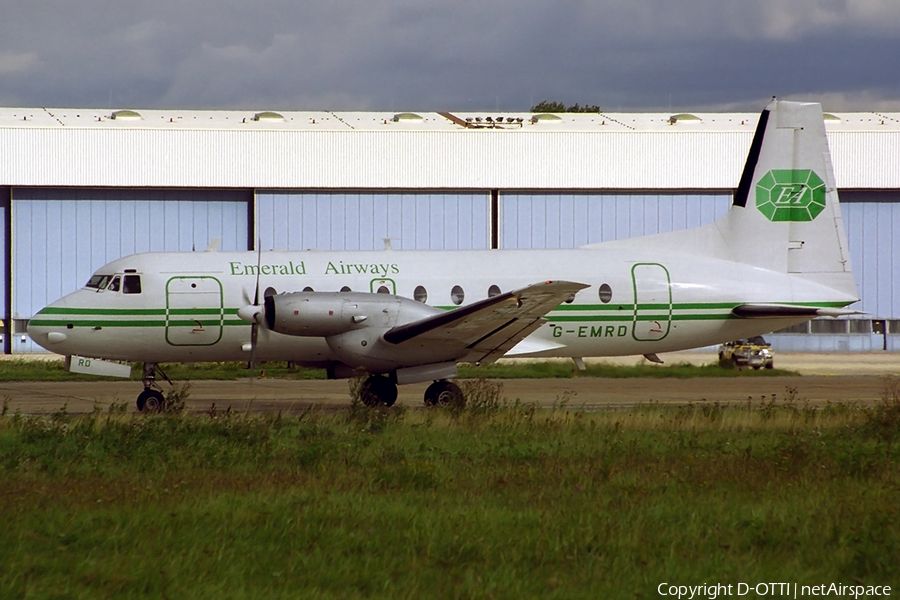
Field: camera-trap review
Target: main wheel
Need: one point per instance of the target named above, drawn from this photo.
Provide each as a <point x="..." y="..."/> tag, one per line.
<point x="444" y="393"/>
<point x="378" y="390"/>
<point x="150" y="401"/>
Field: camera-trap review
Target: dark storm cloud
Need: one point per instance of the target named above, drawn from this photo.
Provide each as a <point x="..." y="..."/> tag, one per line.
<point x="454" y="54"/>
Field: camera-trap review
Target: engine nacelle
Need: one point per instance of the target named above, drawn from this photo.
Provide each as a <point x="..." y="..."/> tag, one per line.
<point x="325" y="314"/>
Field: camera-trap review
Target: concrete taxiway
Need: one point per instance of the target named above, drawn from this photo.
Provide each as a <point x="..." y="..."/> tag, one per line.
<point x="825" y="378"/>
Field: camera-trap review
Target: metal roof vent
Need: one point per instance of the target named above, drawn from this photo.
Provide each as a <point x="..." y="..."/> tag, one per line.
<point x="268" y="116"/>
<point x="684" y="117"/>
<point x="545" y="117"/>
<point x="125" y="115"/>
<point x="407" y="116"/>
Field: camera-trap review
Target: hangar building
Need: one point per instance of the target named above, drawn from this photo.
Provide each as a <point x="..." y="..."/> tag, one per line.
<point x="81" y="187"/>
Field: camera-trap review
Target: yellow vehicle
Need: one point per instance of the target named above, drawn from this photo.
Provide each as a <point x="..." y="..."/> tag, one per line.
<point x="752" y="352"/>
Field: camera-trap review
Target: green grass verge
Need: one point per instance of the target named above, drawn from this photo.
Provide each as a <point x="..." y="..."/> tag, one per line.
<point x="40" y="370"/>
<point x="488" y="502"/>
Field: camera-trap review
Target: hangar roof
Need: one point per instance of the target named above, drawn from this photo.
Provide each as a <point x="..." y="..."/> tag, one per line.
<point x="247" y="120"/>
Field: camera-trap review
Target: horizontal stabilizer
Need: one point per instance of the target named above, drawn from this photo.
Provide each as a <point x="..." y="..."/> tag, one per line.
<point x="771" y="311"/>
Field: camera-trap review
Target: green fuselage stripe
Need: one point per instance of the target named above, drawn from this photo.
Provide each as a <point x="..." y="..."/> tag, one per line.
<point x="133" y="323"/>
<point x="213" y="317"/>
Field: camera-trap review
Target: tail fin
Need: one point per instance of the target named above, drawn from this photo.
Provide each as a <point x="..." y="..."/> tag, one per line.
<point x="786" y="216"/>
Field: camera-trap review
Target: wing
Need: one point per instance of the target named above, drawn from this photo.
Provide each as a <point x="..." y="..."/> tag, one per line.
<point x="485" y="330"/>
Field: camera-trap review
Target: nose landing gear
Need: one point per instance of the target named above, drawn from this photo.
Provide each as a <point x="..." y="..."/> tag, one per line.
<point x="152" y="398"/>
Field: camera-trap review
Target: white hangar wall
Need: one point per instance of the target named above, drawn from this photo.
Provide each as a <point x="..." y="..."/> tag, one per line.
<point x="535" y="160"/>
<point x="372" y="160"/>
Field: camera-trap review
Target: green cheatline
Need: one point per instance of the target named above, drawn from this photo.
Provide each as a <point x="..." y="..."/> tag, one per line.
<point x="615" y="313"/>
<point x="61" y="310"/>
<point x="131" y="323"/>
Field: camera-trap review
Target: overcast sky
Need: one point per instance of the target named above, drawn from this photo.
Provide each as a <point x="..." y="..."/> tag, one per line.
<point x="462" y="55"/>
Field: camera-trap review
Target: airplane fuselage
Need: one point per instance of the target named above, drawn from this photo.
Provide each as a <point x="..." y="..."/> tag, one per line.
<point x="636" y="303"/>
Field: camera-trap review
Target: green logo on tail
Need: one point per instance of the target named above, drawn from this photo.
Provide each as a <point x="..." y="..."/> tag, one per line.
<point x="790" y="195"/>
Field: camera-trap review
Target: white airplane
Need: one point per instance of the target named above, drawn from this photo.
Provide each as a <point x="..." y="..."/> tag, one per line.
<point x="777" y="258"/>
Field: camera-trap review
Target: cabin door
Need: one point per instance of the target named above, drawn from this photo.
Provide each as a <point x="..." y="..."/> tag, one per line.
<point x="194" y="311"/>
<point x="652" y="302"/>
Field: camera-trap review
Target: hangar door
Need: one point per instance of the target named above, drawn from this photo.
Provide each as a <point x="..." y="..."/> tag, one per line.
<point x="873" y="235"/>
<point x="548" y="220"/>
<point x="61" y="235"/>
<point x="294" y="220"/>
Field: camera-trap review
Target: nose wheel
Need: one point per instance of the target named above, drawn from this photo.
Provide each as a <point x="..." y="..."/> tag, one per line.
<point x="150" y="401"/>
<point x="152" y="398"/>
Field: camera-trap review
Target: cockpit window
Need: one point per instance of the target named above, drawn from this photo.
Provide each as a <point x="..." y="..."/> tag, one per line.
<point x="132" y="284"/>
<point x="114" y="284"/>
<point x="98" y="282"/>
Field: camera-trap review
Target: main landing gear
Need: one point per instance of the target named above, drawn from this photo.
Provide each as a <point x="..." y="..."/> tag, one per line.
<point x="444" y="393"/>
<point x="152" y="398"/>
<point x="379" y="390"/>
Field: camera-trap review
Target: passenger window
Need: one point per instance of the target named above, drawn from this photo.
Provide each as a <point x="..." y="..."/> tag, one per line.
<point x="345" y="289"/>
<point x="493" y="291"/>
<point x="420" y="294"/>
<point x="605" y="293"/>
<point x="457" y="295"/>
<point x="114" y="284"/>
<point x="308" y="289"/>
<point x="132" y="284"/>
<point x="383" y="290"/>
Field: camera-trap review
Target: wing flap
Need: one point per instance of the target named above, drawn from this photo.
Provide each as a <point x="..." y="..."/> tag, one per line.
<point x="485" y="330"/>
<point x="497" y="344"/>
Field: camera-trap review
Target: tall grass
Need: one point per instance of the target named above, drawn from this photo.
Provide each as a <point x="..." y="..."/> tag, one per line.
<point x="495" y="501"/>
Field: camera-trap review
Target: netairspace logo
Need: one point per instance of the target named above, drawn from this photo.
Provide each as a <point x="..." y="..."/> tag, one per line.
<point x="781" y="589"/>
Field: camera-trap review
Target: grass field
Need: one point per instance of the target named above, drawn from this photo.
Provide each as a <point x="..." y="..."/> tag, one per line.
<point x="43" y="370"/>
<point x="492" y="501"/>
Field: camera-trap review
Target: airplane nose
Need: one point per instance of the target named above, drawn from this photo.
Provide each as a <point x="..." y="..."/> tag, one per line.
<point x="46" y="334"/>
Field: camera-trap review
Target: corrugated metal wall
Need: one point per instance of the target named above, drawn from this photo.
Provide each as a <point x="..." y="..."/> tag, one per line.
<point x="873" y="234"/>
<point x="371" y="160"/>
<point x="360" y="221"/>
<point x="529" y="220"/>
<point x="62" y="235"/>
<point x="865" y="159"/>
<point x="709" y="160"/>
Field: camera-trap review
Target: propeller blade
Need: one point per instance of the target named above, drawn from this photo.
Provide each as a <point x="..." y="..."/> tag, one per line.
<point x="258" y="267"/>
<point x="252" y="313"/>
<point x="254" y="339"/>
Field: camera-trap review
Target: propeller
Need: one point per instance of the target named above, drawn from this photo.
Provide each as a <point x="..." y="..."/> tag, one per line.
<point x="252" y="312"/>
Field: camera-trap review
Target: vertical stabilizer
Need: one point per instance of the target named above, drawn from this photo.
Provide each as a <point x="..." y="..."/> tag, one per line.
<point x="786" y="216"/>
